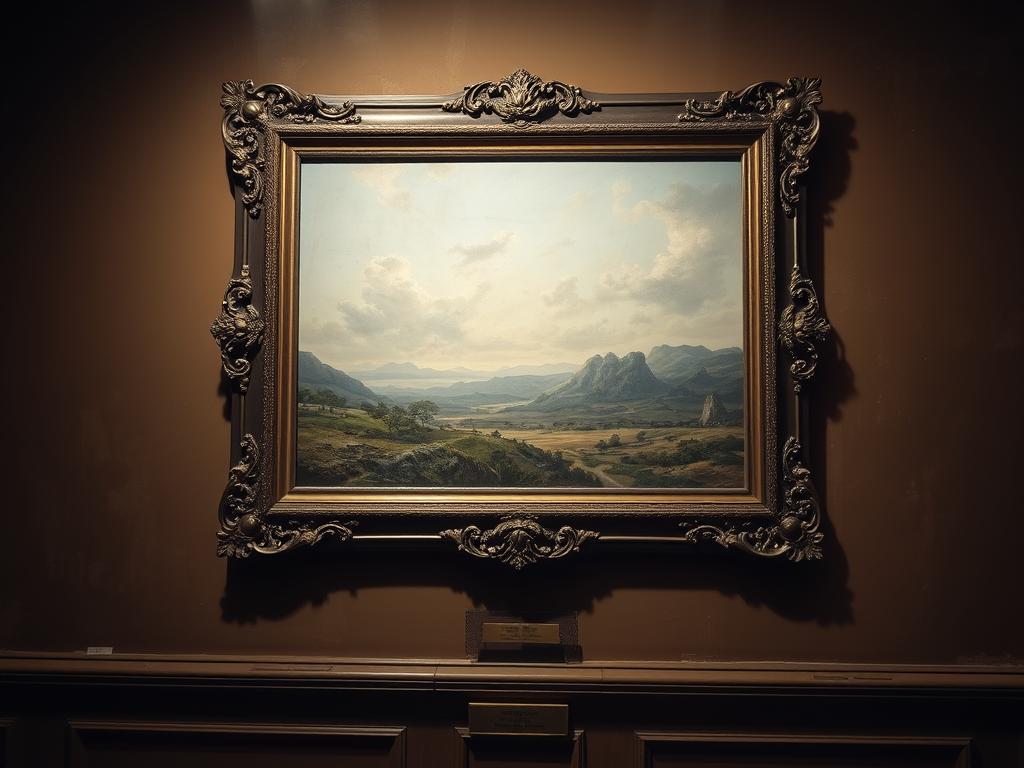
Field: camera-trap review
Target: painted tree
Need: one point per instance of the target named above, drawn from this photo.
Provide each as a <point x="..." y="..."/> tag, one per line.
<point x="423" y="411"/>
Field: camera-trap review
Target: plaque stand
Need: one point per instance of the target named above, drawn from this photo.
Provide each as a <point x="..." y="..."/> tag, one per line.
<point x="501" y="636"/>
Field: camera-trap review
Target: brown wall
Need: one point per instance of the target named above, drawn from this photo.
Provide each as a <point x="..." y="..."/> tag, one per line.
<point x="119" y="245"/>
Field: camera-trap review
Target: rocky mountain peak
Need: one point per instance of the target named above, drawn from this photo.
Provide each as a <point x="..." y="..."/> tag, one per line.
<point x="607" y="379"/>
<point x="714" y="413"/>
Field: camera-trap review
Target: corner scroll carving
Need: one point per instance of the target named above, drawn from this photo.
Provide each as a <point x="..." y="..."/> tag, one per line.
<point x="791" y="106"/>
<point x="802" y="325"/>
<point x="521" y="98"/>
<point x="246" y="110"/>
<point x="238" y="330"/>
<point x="796" y="533"/>
<point x="519" y="541"/>
<point x="243" y="529"/>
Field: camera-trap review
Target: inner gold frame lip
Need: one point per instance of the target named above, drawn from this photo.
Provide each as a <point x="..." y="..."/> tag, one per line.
<point x="748" y="149"/>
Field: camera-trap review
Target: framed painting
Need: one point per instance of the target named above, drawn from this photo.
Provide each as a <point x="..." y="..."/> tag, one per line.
<point x="521" y="320"/>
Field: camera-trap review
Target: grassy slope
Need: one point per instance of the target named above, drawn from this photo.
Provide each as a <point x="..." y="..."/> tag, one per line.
<point x="347" y="447"/>
<point x="350" y="447"/>
<point x="625" y="466"/>
<point x="667" y="410"/>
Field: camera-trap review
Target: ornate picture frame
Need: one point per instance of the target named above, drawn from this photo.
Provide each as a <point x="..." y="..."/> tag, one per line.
<point x="270" y="131"/>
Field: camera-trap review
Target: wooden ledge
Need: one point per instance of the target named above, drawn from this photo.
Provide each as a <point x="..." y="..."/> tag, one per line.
<point x="464" y="675"/>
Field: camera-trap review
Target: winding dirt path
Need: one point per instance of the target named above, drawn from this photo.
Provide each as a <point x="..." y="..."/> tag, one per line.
<point x="599" y="471"/>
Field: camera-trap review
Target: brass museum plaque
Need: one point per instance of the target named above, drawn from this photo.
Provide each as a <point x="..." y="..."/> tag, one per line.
<point x="523" y="633"/>
<point x="492" y="719"/>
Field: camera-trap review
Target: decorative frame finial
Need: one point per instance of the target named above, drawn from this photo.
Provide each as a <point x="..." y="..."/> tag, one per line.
<point x="522" y="98"/>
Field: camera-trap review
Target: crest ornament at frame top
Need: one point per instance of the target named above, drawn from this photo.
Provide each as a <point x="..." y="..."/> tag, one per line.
<point x="522" y="98"/>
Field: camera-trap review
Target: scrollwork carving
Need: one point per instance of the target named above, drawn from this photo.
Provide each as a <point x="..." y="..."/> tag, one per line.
<point x="246" y="110"/>
<point x="243" y="529"/>
<point x="521" y="98"/>
<point x="238" y="330"/>
<point x="802" y="325"/>
<point x="519" y="540"/>
<point x="795" y="533"/>
<point x="791" y="106"/>
<point x="239" y="520"/>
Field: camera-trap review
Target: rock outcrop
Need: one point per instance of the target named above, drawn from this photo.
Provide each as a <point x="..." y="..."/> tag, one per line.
<point x="714" y="413"/>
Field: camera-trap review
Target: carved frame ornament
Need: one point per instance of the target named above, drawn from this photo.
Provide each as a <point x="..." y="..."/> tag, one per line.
<point x="261" y="128"/>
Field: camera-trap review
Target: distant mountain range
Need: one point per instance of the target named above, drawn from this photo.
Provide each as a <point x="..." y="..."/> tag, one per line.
<point x="314" y="374"/>
<point x="497" y="389"/>
<point x="673" y="364"/>
<point x="699" y="370"/>
<point x="411" y="371"/>
<point x="681" y="374"/>
<point x="542" y="369"/>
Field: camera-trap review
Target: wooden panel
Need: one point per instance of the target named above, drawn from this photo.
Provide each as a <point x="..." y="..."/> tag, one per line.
<point x="114" y="744"/>
<point x="6" y="725"/>
<point x="694" y="750"/>
<point x="519" y="751"/>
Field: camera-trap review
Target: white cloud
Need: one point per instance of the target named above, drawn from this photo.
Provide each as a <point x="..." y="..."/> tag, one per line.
<point x="472" y="253"/>
<point x="620" y="191"/>
<point x="579" y="200"/>
<point x="702" y="251"/>
<point x="382" y="180"/>
<point x="582" y="337"/>
<point x="440" y="170"/>
<point x="564" y="297"/>
<point x="558" y="246"/>
<point x="394" y="310"/>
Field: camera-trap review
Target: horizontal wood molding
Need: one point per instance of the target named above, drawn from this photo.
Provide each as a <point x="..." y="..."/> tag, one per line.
<point x="954" y="749"/>
<point x="396" y="733"/>
<point x="349" y="741"/>
<point x="459" y="675"/>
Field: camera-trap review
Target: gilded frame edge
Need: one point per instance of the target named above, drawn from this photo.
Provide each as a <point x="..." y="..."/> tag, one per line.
<point x="257" y="124"/>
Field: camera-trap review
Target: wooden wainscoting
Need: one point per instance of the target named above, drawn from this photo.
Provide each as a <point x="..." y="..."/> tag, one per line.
<point x="6" y="748"/>
<point x="152" y="712"/>
<point x="124" y="744"/>
<point x="519" y="752"/>
<point x="739" y="750"/>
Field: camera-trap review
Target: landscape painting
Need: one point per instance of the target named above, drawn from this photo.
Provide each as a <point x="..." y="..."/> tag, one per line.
<point x="572" y="324"/>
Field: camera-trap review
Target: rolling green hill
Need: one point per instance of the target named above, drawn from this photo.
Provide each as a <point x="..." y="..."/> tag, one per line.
<point x="350" y="447"/>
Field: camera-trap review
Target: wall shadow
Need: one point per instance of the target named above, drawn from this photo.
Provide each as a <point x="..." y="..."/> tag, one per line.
<point x="827" y="181"/>
<point x="272" y="588"/>
<point x="225" y="391"/>
<point x="261" y="588"/>
<point x="834" y="385"/>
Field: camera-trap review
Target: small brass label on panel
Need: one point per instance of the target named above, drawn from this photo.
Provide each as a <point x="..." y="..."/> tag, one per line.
<point x="487" y="719"/>
<point x="520" y="632"/>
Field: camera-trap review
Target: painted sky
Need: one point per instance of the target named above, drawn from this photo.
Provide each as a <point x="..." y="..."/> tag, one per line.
<point x="487" y="265"/>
